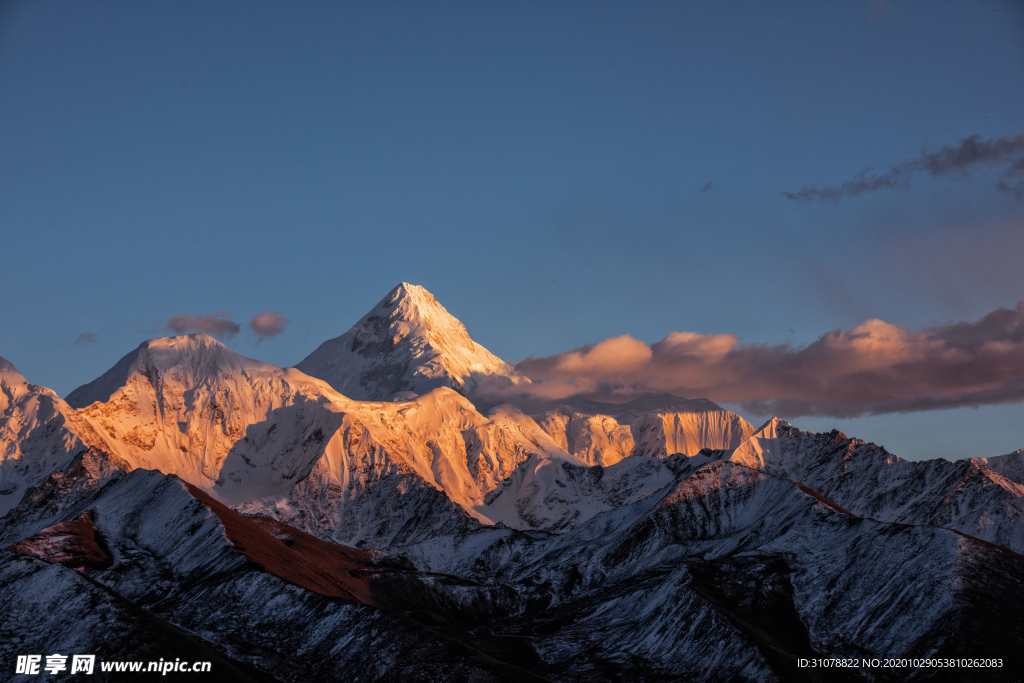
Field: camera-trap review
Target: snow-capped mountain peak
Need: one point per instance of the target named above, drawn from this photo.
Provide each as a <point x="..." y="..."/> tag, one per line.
<point x="182" y="405"/>
<point x="192" y="359"/>
<point x="407" y="343"/>
<point x="39" y="434"/>
<point x="757" y="450"/>
<point x="281" y="442"/>
<point x="7" y="367"/>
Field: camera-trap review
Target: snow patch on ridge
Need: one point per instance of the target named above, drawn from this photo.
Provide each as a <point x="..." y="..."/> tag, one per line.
<point x="714" y="477"/>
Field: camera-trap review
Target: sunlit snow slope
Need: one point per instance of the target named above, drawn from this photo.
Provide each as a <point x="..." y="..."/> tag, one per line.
<point x="39" y="434"/>
<point x="407" y="343"/>
<point x="279" y="442"/>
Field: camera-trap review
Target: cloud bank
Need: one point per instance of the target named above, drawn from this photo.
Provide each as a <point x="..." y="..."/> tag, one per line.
<point x="963" y="158"/>
<point x="875" y="368"/>
<point x="218" y="324"/>
<point x="268" y="324"/>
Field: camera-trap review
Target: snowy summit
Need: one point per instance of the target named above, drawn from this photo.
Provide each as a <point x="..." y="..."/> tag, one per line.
<point x="407" y="343"/>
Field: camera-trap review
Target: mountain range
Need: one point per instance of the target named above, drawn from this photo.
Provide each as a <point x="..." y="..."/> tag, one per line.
<point x="399" y="506"/>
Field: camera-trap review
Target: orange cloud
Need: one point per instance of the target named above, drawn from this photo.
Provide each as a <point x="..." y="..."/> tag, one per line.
<point x="874" y="368"/>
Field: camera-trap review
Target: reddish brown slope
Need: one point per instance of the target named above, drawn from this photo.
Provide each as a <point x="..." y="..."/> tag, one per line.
<point x="72" y="544"/>
<point x="304" y="560"/>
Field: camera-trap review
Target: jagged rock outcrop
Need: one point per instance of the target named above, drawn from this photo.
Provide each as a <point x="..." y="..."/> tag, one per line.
<point x="968" y="495"/>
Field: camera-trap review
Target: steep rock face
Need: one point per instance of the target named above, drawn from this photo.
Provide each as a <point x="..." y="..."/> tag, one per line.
<point x="407" y="344"/>
<point x="396" y="472"/>
<point x="39" y="434"/>
<point x="966" y="495"/>
<point x="603" y="434"/>
<point x="661" y="433"/>
<point x="594" y="439"/>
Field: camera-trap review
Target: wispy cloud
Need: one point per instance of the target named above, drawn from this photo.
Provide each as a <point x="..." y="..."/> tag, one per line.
<point x="86" y="336"/>
<point x="218" y="324"/>
<point x="963" y="158"/>
<point x="875" y="368"/>
<point x="268" y="324"/>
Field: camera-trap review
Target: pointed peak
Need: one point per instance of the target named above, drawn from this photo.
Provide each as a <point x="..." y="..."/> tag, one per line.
<point x="7" y="367"/>
<point x="408" y="289"/>
<point x="11" y="377"/>
<point x="772" y="427"/>
<point x="761" y="447"/>
<point x="9" y="374"/>
<point x="410" y="311"/>
<point x="412" y="303"/>
<point x="401" y="292"/>
<point x="407" y="342"/>
<point x="405" y="290"/>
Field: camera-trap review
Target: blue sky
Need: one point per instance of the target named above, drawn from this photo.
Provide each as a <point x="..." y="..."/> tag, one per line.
<point x="537" y="166"/>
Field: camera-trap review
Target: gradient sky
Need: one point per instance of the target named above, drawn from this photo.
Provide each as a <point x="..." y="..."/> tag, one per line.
<point x="538" y="166"/>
